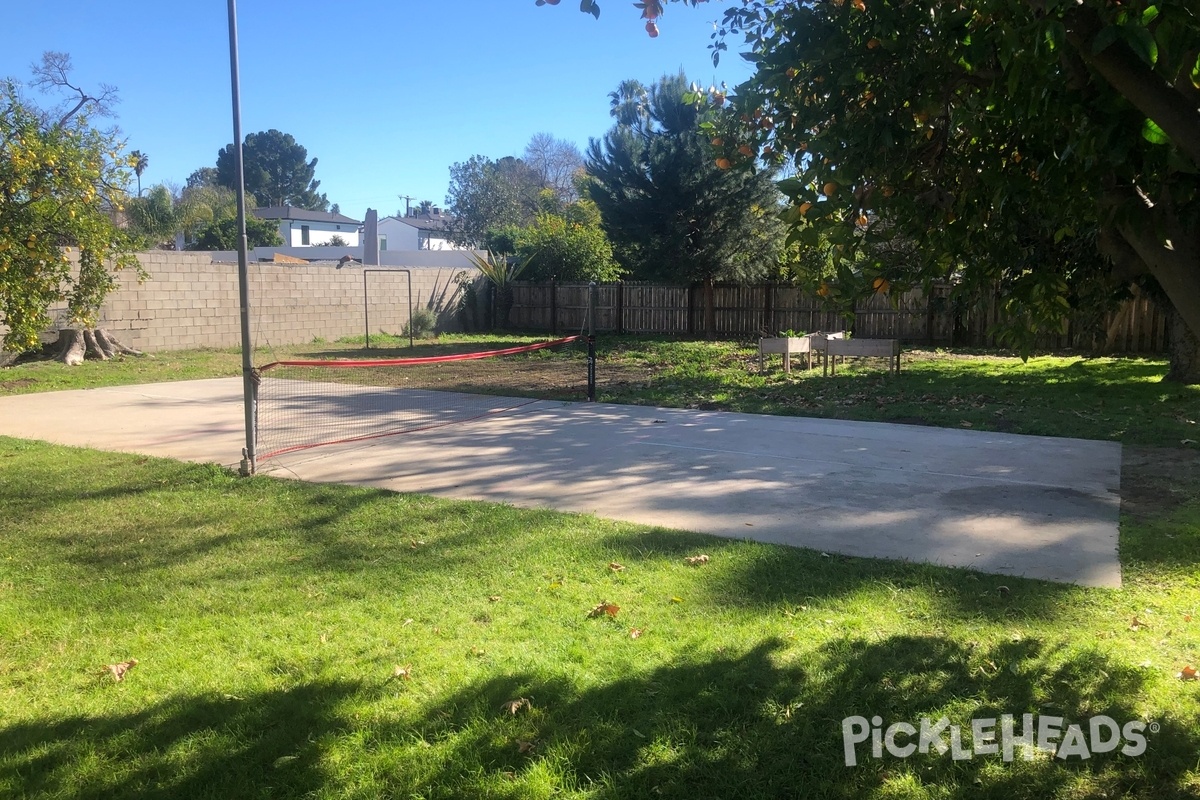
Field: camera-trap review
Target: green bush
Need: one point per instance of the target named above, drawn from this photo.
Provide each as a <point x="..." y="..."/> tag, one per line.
<point x="422" y="325"/>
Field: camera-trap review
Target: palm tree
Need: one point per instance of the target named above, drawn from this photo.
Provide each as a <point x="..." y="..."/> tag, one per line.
<point x="139" y="161"/>
<point x="628" y="103"/>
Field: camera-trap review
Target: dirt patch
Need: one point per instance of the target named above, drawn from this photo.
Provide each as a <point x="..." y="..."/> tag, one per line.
<point x="1157" y="480"/>
<point x="12" y="386"/>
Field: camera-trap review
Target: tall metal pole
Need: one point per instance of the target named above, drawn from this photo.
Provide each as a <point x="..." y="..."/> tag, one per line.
<point x="249" y="380"/>
<point x="591" y="343"/>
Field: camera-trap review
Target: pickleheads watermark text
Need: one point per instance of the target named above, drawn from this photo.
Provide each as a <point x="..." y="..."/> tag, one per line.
<point x="991" y="736"/>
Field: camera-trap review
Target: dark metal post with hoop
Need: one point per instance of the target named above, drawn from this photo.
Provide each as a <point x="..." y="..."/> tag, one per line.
<point x="249" y="378"/>
<point x="591" y="342"/>
<point x="367" y="313"/>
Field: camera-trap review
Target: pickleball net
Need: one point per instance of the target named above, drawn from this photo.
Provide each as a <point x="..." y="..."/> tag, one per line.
<point x="306" y="404"/>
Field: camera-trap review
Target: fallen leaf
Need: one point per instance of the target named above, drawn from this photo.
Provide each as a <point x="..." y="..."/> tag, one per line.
<point x="1186" y="442"/>
<point x="524" y="746"/>
<point x="604" y="608"/>
<point x="635" y="633"/>
<point x="966" y="424"/>
<point x="676" y="599"/>
<point x="494" y="598"/>
<point x="555" y="585"/>
<point x="118" y="670"/>
<point x="475" y="651"/>
<point x="403" y="673"/>
<point x="1188" y="673"/>
<point x="697" y="560"/>
<point x="406" y="622"/>
<point x="1187" y="617"/>
<point x="1136" y="624"/>
<point x="283" y="761"/>
<point x="637" y="733"/>
<point x="513" y="706"/>
<point x="1003" y="591"/>
<point x="615" y="567"/>
<point x="824" y="555"/>
<point x="414" y="544"/>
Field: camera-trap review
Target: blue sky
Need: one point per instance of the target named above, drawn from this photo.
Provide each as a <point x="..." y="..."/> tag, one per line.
<point x="386" y="94"/>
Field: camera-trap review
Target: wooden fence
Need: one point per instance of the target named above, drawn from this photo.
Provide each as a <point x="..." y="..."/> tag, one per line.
<point x="754" y="310"/>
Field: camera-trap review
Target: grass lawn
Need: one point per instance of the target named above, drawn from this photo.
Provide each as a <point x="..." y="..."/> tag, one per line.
<point x="297" y="640"/>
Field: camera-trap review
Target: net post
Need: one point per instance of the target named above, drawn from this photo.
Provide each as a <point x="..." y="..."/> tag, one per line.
<point x="248" y="376"/>
<point x="249" y="453"/>
<point x="591" y="342"/>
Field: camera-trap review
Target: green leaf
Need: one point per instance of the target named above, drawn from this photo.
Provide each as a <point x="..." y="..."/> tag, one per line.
<point x="1149" y="15"/>
<point x="1141" y="41"/>
<point x="1154" y="134"/>
<point x="1105" y="38"/>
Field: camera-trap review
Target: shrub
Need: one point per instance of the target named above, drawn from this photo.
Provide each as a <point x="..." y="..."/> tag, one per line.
<point x="422" y="325"/>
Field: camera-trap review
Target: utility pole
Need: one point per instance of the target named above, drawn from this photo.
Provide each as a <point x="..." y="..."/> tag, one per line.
<point x="407" y="204"/>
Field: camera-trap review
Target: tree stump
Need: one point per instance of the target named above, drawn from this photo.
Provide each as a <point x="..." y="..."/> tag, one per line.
<point x="76" y="344"/>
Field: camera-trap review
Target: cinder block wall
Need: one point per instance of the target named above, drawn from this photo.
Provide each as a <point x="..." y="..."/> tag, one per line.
<point x="189" y="301"/>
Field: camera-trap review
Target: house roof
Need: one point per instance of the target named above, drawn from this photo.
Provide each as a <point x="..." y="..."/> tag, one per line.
<point x="302" y="215"/>
<point x="427" y="222"/>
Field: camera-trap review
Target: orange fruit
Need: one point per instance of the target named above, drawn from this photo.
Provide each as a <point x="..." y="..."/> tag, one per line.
<point x="652" y="29"/>
<point x="804" y="207"/>
<point x="872" y="44"/>
<point x="723" y="163"/>
<point x="823" y="291"/>
<point x="718" y="141"/>
<point x="829" y="189"/>
<point x="881" y="285"/>
<point x="746" y="150"/>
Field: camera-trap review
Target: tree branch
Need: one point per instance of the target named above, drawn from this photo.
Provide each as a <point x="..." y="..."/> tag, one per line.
<point x="1136" y="82"/>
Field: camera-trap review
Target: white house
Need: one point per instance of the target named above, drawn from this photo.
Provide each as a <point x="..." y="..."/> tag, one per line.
<point x="424" y="229"/>
<point x="300" y="227"/>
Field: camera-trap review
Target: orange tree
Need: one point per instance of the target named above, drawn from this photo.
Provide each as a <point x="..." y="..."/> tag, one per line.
<point x="1038" y="148"/>
<point x="61" y="182"/>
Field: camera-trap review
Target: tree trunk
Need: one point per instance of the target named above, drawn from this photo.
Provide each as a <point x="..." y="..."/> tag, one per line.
<point x="1171" y="251"/>
<point x="74" y="345"/>
<point x="1184" y="350"/>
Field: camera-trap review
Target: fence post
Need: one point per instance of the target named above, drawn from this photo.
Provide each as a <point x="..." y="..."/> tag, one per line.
<point x="554" y="306"/>
<point x="620" y="307"/>
<point x="769" y="309"/>
<point x="691" y="321"/>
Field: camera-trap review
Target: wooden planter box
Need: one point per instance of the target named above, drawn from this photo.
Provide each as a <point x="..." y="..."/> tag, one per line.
<point x="862" y="348"/>
<point x="786" y="346"/>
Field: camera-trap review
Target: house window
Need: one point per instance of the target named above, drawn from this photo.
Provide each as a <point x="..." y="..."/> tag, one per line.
<point x="304" y="234"/>
<point x="382" y="243"/>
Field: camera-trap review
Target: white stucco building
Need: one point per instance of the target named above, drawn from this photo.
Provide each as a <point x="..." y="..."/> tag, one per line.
<point x="300" y="227"/>
<point x="424" y="229"/>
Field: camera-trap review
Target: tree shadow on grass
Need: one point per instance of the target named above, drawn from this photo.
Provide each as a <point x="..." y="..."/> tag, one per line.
<point x="265" y="745"/>
<point x="775" y="575"/>
<point x="762" y="723"/>
<point x="767" y="723"/>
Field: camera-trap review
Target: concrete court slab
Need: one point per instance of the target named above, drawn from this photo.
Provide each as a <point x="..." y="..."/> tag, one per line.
<point x="1041" y="507"/>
